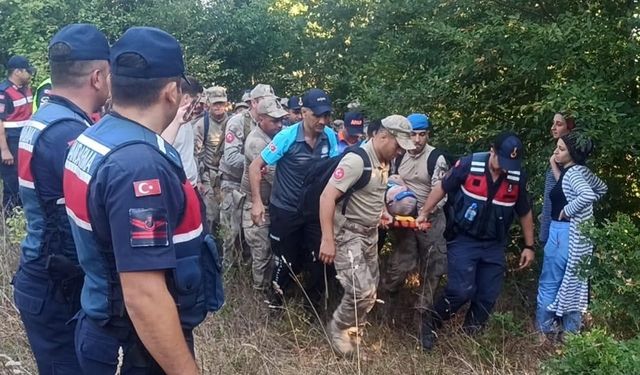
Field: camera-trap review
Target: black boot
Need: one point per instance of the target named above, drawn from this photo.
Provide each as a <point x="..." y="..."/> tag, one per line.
<point x="428" y="334"/>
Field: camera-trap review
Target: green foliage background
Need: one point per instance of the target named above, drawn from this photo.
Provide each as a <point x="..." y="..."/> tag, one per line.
<point x="476" y="66"/>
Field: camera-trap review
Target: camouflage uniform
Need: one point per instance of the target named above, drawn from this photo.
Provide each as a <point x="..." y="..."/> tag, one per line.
<point x="232" y="168"/>
<point x="208" y="156"/>
<point x="257" y="236"/>
<point x="356" y="238"/>
<point x="424" y="251"/>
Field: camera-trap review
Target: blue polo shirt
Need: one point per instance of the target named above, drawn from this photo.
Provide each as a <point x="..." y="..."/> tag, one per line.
<point x="292" y="154"/>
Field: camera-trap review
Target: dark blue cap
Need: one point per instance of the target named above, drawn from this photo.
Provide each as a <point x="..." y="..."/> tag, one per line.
<point x="317" y="101"/>
<point x="294" y="102"/>
<point x="20" y="62"/>
<point x="419" y="121"/>
<point x="510" y="151"/>
<point x="85" y="42"/>
<point x="159" y="49"/>
<point x="354" y="123"/>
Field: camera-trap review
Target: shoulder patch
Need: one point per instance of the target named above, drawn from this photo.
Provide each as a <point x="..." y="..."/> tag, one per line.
<point x="148" y="227"/>
<point x="272" y="147"/>
<point x="457" y="164"/>
<point x="338" y="174"/>
<point x="230" y="137"/>
<point x="147" y="187"/>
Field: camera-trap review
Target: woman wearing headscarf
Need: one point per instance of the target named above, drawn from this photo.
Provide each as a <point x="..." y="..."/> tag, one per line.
<point x="562" y="294"/>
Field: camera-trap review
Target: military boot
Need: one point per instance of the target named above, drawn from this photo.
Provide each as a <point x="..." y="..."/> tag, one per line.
<point x="428" y="334"/>
<point x="341" y="339"/>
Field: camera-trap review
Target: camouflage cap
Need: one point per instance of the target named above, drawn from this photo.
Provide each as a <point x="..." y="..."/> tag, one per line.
<point x="262" y="91"/>
<point x="400" y="128"/>
<point x="215" y="94"/>
<point x="271" y="107"/>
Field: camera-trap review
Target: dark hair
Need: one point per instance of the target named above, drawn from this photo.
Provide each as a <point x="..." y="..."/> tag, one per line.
<point x="579" y="146"/>
<point x="568" y="118"/>
<point x="65" y="72"/>
<point x="373" y="127"/>
<point x="192" y="88"/>
<point x="137" y="92"/>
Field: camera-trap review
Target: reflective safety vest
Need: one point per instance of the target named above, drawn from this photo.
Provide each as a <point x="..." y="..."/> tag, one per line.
<point x="42" y="94"/>
<point x="493" y="214"/>
<point x="195" y="283"/>
<point x="21" y="107"/>
<point x="48" y="230"/>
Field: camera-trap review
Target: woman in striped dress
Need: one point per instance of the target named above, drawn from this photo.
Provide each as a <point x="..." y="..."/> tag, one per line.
<point x="562" y="294"/>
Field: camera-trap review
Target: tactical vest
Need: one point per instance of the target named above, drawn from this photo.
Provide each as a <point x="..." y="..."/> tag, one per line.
<point x="21" y="107"/>
<point x="195" y="283"/>
<point x="494" y="214"/>
<point x="48" y="230"/>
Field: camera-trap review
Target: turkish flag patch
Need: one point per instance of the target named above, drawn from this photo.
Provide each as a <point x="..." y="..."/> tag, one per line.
<point x="338" y="173"/>
<point x="272" y="147"/>
<point x="148" y="227"/>
<point x="147" y="187"/>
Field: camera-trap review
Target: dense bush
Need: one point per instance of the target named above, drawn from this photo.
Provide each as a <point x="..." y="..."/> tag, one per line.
<point x="596" y="353"/>
<point x="615" y="276"/>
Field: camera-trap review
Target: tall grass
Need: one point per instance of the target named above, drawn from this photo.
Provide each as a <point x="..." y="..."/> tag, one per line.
<point x="246" y="338"/>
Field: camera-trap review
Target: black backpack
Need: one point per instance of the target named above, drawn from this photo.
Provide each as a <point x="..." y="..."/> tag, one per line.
<point x="319" y="174"/>
<point x="431" y="160"/>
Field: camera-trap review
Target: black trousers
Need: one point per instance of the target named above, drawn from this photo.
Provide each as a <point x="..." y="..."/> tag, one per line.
<point x="295" y="242"/>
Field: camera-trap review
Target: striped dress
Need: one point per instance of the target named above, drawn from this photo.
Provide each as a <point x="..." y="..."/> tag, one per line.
<point x="582" y="189"/>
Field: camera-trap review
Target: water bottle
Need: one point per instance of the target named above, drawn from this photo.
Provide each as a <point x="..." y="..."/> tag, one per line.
<point x="471" y="213"/>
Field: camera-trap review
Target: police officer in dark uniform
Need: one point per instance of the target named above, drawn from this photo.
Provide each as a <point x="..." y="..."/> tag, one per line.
<point x="486" y="190"/>
<point x="48" y="282"/>
<point x="151" y="274"/>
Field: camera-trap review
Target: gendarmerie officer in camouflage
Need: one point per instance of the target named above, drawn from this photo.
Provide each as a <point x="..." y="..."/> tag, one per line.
<point x="208" y="150"/>
<point x="270" y="117"/>
<point x="232" y="168"/>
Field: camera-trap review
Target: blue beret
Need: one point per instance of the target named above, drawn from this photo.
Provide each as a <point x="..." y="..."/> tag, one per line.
<point x="419" y="121"/>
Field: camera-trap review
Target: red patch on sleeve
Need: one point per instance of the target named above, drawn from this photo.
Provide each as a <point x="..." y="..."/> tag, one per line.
<point x="148" y="227"/>
<point x="229" y="137"/>
<point x="147" y="187"/>
<point x="272" y="147"/>
<point x="338" y="174"/>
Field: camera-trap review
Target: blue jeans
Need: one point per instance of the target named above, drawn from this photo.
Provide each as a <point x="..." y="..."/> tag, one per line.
<point x="475" y="274"/>
<point x="554" y="265"/>
<point x="47" y="322"/>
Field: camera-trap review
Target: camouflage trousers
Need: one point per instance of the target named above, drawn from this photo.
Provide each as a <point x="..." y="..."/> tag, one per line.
<point x="257" y="239"/>
<point x="212" y="199"/>
<point x="357" y="270"/>
<point x="425" y="252"/>
<point x="231" y="224"/>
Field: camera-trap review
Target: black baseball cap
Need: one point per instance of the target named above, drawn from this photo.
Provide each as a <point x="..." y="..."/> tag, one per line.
<point x="317" y="101"/>
<point x="294" y="102"/>
<point x="85" y="42"/>
<point x="20" y="62"/>
<point x="354" y="123"/>
<point x="159" y="49"/>
<point x="510" y="151"/>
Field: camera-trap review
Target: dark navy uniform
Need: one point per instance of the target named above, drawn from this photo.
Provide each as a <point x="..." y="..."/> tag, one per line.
<point x="484" y="211"/>
<point x="15" y="112"/>
<point x="48" y="282"/>
<point x="128" y="217"/>
<point x="132" y="209"/>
